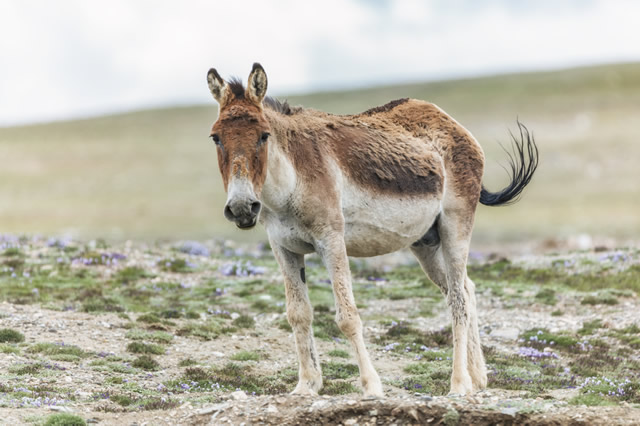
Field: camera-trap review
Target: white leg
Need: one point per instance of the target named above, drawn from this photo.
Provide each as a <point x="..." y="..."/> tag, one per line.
<point x="300" y="316"/>
<point x="334" y="255"/>
<point x="445" y="263"/>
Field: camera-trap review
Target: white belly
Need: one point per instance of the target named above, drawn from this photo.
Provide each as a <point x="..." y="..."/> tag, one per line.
<point x="379" y="224"/>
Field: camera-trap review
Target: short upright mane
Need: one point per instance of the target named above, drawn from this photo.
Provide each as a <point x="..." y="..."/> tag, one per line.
<point x="237" y="88"/>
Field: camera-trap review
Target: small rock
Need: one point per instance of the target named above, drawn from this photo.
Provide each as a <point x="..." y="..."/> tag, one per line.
<point x="350" y="422"/>
<point x="218" y="354"/>
<point x="105" y="324"/>
<point x="238" y="395"/>
<point x="373" y="413"/>
<point x="60" y="408"/>
<point x="319" y="404"/>
<point x="510" y="411"/>
<point x="272" y="409"/>
<point x="234" y="315"/>
<point x="213" y="408"/>
<point x="351" y="402"/>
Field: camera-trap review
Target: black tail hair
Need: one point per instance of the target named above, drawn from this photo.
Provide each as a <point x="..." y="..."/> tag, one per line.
<point x="523" y="159"/>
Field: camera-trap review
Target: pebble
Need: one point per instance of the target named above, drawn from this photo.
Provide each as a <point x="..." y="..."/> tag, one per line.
<point x="510" y="411"/>
<point x="60" y="408"/>
<point x="213" y="408"/>
<point x="350" y="422"/>
<point x="239" y="395"/>
<point x="272" y="409"/>
<point x="317" y="405"/>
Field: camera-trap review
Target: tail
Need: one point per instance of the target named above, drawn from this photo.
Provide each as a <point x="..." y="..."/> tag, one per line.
<point x="523" y="160"/>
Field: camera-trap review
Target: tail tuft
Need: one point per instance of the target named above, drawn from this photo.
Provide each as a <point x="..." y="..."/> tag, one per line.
<point x="523" y="160"/>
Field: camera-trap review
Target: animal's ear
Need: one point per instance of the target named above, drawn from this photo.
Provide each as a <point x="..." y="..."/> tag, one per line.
<point x="257" y="87"/>
<point x="218" y="87"/>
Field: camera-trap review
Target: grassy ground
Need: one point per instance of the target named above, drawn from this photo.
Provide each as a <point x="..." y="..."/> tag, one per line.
<point x="153" y="174"/>
<point x="131" y="328"/>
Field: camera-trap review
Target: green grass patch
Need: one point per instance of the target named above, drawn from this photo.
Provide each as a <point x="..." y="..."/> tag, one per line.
<point x="244" y="321"/>
<point x="599" y="299"/>
<point x="589" y="327"/>
<point x="130" y="274"/>
<point x="339" y="353"/>
<point x="102" y="304"/>
<point x="541" y="338"/>
<point x="11" y="252"/>
<point x="145" y="362"/>
<point x="245" y="356"/>
<point x="337" y="370"/>
<point x="145" y="348"/>
<point x="188" y="362"/>
<point x="59" y="352"/>
<point x="402" y="337"/>
<point x="325" y="327"/>
<point x="547" y="296"/>
<point x="64" y="419"/>
<point x="208" y="330"/>
<point x="231" y="376"/>
<point x="6" y="348"/>
<point x="338" y="387"/>
<point x="8" y="335"/>
<point x="156" y="336"/>
<point x="177" y="265"/>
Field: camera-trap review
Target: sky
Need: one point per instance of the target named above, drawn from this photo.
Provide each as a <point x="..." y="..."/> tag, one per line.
<point x="76" y="58"/>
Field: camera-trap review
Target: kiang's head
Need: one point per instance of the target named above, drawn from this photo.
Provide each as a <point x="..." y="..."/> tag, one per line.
<point x="241" y="134"/>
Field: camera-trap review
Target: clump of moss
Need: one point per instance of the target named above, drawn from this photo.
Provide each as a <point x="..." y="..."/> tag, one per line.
<point x="64" y="419"/>
<point x="547" y="296"/>
<point x="600" y="299"/>
<point x="8" y="335"/>
<point x="145" y="348"/>
<point x="175" y="265"/>
<point x="589" y="327"/>
<point x="187" y="362"/>
<point x="338" y="370"/>
<point x="145" y="362"/>
<point x="130" y="274"/>
<point x="338" y="387"/>
<point x="244" y="321"/>
<point x="245" y="356"/>
<point x="540" y="338"/>
<point x="338" y="353"/>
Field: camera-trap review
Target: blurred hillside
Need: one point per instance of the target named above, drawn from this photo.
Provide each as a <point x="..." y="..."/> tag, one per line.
<point x="153" y="174"/>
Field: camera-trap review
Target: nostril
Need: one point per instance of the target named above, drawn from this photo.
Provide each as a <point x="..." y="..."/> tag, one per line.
<point x="255" y="208"/>
<point x="228" y="213"/>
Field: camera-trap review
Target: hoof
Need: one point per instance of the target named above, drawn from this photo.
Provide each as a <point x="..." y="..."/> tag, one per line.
<point x="309" y="388"/>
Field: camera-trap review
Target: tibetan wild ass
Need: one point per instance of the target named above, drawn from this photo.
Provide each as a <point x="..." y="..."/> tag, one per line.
<point x="404" y="174"/>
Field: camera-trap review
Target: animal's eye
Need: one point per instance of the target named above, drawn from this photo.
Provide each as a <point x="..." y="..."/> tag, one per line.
<point x="264" y="137"/>
<point x="216" y="138"/>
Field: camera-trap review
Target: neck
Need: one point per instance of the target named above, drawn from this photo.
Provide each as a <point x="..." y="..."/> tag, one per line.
<point x="281" y="177"/>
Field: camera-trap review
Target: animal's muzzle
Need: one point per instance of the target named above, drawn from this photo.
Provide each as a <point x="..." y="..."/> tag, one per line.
<point x="243" y="212"/>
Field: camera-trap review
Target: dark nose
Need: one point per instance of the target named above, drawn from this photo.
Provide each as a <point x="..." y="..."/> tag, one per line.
<point x="243" y="212"/>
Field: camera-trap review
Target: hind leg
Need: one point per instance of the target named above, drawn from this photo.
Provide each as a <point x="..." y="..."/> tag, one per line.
<point x="442" y="253"/>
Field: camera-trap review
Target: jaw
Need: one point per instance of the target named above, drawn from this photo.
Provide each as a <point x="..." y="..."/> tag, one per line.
<point x="247" y="227"/>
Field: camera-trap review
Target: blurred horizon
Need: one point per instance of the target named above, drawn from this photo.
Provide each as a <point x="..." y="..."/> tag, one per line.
<point x="314" y="93"/>
<point x="153" y="174"/>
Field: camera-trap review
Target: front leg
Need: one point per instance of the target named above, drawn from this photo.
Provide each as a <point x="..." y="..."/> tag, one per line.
<point x="300" y="316"/>
<point x="334" y="255"/>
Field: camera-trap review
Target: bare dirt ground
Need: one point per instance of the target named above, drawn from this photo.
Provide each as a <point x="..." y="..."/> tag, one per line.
<point x="100" y="382"/>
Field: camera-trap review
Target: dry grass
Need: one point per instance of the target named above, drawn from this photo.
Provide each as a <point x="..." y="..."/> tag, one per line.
<point x="153" y="174"/>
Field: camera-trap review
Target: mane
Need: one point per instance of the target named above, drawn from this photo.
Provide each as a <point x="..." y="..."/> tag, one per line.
<point x="283" y="107"/>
